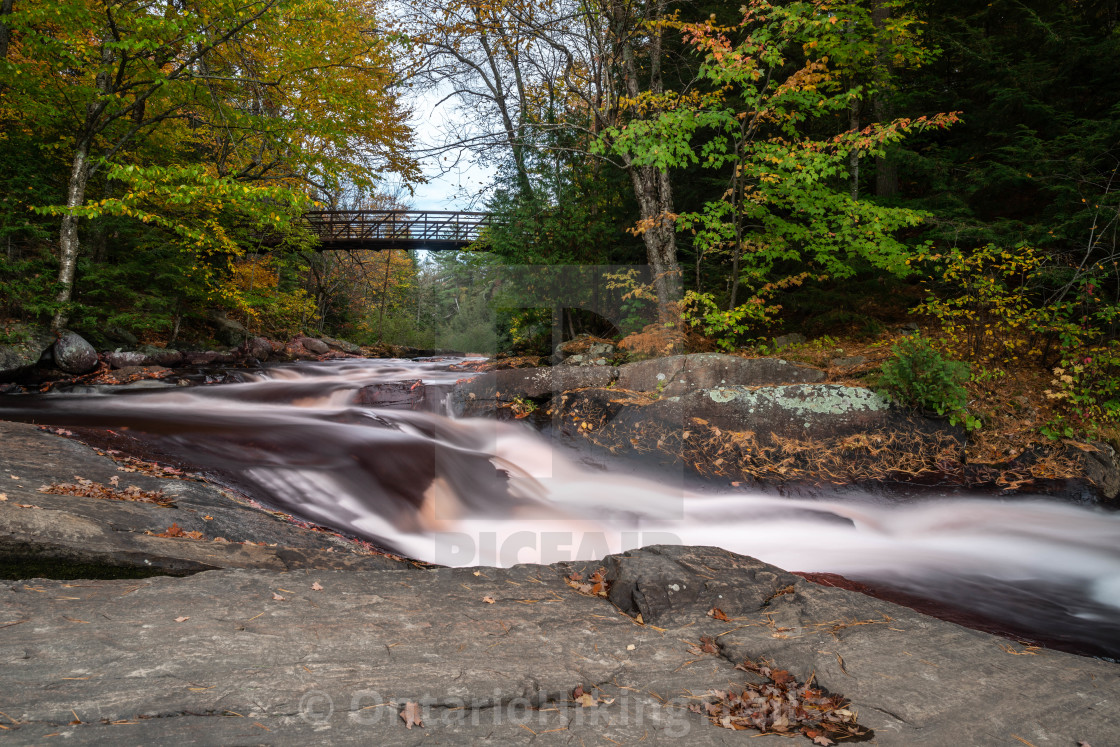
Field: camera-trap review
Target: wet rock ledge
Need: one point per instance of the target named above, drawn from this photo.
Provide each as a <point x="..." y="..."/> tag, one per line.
<point x="490" y="656"/>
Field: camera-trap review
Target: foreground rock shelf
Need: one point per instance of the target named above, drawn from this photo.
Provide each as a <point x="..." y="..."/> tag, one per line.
<point x="493" y="656"/>
<point x="69" y="536"/>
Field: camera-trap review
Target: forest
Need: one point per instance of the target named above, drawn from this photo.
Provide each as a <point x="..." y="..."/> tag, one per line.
<point x="801" y="178"/>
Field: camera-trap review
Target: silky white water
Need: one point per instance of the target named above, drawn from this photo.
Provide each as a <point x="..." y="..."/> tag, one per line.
<point x="481" y="492"/>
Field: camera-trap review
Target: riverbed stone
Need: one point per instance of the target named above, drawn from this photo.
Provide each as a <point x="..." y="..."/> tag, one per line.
<point x="69" y="534"/>
<point x="1101" y="463"/>
<point x="341" y="345"/>
<point x="680" y="374"/>
<point x="73" y="354"/>
<point x="258" y="347"/>
<point x="26" y="345"/>
<point x="492" y="656"/>
<point x="125" y="358"/>
<point x="484" y="393"/>
<point x="802" y="411"/>
<point x="162" y="356"/>
<point x="313" y="345"/>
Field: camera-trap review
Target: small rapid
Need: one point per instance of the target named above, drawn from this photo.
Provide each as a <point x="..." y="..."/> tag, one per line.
<point x="481" y="492"/>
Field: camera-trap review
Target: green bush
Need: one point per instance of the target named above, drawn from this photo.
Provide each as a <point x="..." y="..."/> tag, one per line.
<point x="918" y="376"/>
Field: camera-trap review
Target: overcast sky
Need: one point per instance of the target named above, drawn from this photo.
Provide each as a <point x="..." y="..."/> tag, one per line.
<point x="453" y="186"/>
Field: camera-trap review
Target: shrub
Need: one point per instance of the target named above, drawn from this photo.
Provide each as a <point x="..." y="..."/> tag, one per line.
<point x="919" y="376"/>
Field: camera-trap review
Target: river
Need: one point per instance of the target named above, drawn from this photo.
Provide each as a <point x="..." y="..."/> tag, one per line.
<point x="480" y="492"/>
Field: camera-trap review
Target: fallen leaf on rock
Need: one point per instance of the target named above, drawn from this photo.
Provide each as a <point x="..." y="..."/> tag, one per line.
<point x="3" y="496"/>
<point x="176" y="531"/>
<point x="488" y="599"/>
<point x="411" y="714"/>
<point x="13" y="477"/>
<point x="717" y="613"/>
<point x="277" y="597"/>
<point x="181" y="619"/>
<point x="784" y="706"/>
<point x="708" y="645"/>
<point x="207" y="518"/>
<point x="577" y="693"/>
<point x="316" y="586"/>
<point x="26" y="505"/>
<point x="585" y="700"/>
<point x="115" y="480"/>
<point x="596" y="586"/>
<point x="630" y="647"/>
<point x="84" y="488"/>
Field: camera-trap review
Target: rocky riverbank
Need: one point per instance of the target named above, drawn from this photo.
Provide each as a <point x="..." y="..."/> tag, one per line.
<point x="33" y="358"/>
<point x="177" y="610"/>
<point x="765" y="421"/>
<point x="663" y="654"/>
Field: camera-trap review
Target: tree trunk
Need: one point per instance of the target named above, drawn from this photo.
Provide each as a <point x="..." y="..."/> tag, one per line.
<point x="384" y="295"/>
<point x="652" y="186"/>
<point x="68" y="236"/>
<point x="655" y="201"/>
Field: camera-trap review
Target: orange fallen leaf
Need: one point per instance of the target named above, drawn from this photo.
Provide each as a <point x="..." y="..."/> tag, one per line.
<point x="277" y="597"/>
<point x="488" y="599"/>
<point x="316" y="586"/>
<point x="411" y="714"/>
<point x="181" y="619"/>
<point x="717" y="613"/>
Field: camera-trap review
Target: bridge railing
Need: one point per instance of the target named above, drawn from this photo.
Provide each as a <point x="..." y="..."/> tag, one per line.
<point x="386" y="226"/>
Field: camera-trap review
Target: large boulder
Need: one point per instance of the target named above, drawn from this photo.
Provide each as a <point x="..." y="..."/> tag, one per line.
<point x="341" y="345"/>
<point x="230" y="332"/>
<point x="258" y="347"/>
<point x="313" y="345"/>
<point x="73" y="354"/>
<point x="679" y="374"/>
<point x="26" y="345"/>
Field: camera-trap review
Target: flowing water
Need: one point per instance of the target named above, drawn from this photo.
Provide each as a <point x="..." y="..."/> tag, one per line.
<point x="481" y="492"/>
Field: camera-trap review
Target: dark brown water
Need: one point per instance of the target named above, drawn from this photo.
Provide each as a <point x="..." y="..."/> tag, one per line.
<point x="475" y="492"/>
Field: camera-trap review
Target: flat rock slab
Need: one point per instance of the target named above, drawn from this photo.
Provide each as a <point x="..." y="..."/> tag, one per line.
<point x="492" y="656"/>
<point x="680" y="374"/>
<point x="483" y="394"/>
<point x="813" y="411"/>
<point x="72" y="535"/>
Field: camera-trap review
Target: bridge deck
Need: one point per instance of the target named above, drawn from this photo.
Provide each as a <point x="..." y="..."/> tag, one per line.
<point x="396" y="229"/>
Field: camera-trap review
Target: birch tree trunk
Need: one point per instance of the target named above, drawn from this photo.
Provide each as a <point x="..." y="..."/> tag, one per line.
<point x="68" y="235"/>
